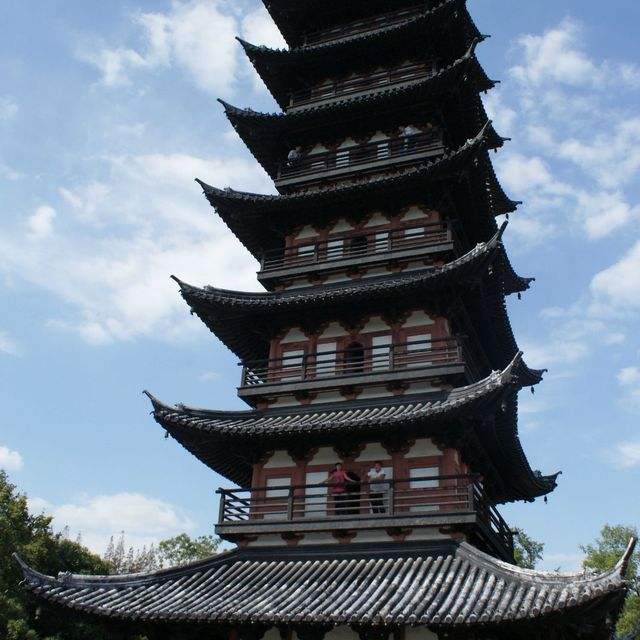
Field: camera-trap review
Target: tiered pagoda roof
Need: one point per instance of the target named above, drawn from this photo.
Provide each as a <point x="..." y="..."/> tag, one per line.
<point x="464" y="176"/>
<point x="246" y="321"/>
<point x="227" y="441"/>
<point x="446" y="586"/>
<point x="451" y="76"/>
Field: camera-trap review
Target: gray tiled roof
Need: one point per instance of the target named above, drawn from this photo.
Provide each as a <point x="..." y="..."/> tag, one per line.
<point x="439" y="584"/>
<point x="226" y="440"/>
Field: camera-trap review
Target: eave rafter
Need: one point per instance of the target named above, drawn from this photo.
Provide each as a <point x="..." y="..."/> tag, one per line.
<point x="226" y="440"/>
<point x="257" y="588"/>
<point x="246" y="321"/>
<point x="447" y="26"/>
<point x="260" y="221"/>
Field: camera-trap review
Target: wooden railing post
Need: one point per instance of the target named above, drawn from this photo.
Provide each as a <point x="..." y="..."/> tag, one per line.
<point x="392" y="501"/>
<point x="222" y="507"/>
<point x="290" y="498"/>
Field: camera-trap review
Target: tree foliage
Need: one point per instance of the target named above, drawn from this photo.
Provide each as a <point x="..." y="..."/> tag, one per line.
<point x="603" y="555"/>
<point x="182" y="549"/>
<point x="31" y="536"/>
<point x="527" y="551"/>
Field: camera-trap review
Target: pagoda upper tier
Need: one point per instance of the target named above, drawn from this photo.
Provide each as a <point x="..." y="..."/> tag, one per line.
<point x="461" y="184"/>
<point x="479" y="420"/>
<point x="309" y="23"/>
<point x="469" y="291"/>
<point x="290" y="73"/>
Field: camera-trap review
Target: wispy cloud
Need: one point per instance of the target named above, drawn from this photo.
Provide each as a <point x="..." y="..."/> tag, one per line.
<point x="144" y="520"/>
<point x="626" y="455"/>
<point x="8" y="345"/>
<point x="196" y="36"/>
<point x="123" y="237"/>
<point x="10" y="460"/>
<point x="8" y="108"/>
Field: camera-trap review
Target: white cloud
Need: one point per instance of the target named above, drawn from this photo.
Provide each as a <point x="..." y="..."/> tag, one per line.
<point x="196" y="35"/>
<point x="626" y="455"/>
<point x="144" y="520"/>
<point x="209" y="376"/>
<point x="10" y="460"/>
<point x="111" y="263"/>
<point x="8" y="108"/>
<point x="629" y="376"/>
<point x="558" y="56"/>
<point x="259" y="28"/>
<point x="7" y="344"/>
<point x="503" y="116"/>
<point x="617" y="288"/>
<point x="40" y="223"/>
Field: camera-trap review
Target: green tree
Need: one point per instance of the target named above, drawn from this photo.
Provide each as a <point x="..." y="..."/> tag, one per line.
<point x="31" y="536"/>
<point x="527" y="551"/>
<point x="603" y="555"/>
<point x="182" y="549"/>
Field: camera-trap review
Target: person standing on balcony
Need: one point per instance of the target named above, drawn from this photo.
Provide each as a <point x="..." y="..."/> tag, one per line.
<point x="409" y="133"/>
<point x="337" y="482"/>
<point x="377" y="488"/>
<point x="294" y="156"/>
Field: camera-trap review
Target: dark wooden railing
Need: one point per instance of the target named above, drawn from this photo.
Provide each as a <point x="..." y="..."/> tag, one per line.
<point x="373" y="242"/>
<point x="368" y="156"/>
<point x="419" y="497"/>
<point x="422" y="354"/>
<point x="371" y="82"/>
<point x="364" y="25"/>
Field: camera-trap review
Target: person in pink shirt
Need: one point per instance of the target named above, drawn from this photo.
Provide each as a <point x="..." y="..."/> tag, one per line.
<point x="337" y="482"/>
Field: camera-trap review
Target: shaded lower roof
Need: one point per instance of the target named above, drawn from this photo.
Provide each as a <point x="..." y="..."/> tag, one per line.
<point x="446" y="31"/>
<point x="240" y="319"/>
<point x="261" y="221"/>
<point x="479" y="419"/>
<point x="444" y="585"/>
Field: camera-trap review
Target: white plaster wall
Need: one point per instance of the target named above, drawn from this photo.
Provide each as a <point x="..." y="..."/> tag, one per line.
<point x="267" y="541"/>
<point x="418" y="319"/>
<point x="419" y="633"/>
<point x="427" y="533"/>
<point x="285" y="401"/>
<point x="306" y="232"/>
<point x="332" y="396"/>
<point x="372" y="536"/>
<point x="414" y="213"/>
<point x="349" y="142"/>
<point x="334" y="330"/>
<point x="342" y="633"/>
<point x="378" y="135"/>
<point x="338" y="277"/>
<point x="294" y="335"/>
<point x="341" y="226"/>
<point x="414" y="266"/>
<point x="318" y="538"/>
<point x="378" y="271"/>
<point x="280" y="459"/>
<point x="375" y="392"/>
<point x="372" y="452"/>
<point x="423" y="448"/>
<point x="319" y="148"/>
<point x="375" y="324"/>
<point x="421" y="387"/>
<point x="325" y="455"/>
<point x="376" y="220"/>
<point x="272" y="634"/>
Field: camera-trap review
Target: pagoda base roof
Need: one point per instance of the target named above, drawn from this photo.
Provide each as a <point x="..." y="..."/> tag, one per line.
<point x="443" y="584"/>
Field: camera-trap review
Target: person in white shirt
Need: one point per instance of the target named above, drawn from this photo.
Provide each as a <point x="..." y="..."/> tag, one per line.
<point x="377" y="488"/>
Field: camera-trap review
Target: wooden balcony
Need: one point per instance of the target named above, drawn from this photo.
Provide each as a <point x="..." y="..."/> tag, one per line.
<point x="353" y="87"/>
<point x="370" y="157"/>
<point x="356" y="367"/>
<point x="364" y="25"/>
<point x="454" y="501"/>
<point x="364" y="249"/>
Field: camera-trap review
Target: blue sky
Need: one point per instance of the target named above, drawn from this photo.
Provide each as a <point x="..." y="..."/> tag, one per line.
<point x="108" y="112"/>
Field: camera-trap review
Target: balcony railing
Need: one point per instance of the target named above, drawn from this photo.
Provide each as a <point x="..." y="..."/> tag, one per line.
<point x="366" y="505"/>
<point x="363" y="84"/>
<point x="410" y="357"/>
<point x="357" y="27"/>
<point x="370" y="156"/>
<point x="371" y="244"/>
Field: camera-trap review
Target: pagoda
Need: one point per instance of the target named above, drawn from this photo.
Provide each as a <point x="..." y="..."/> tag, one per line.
<point x="379" y="365"/>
